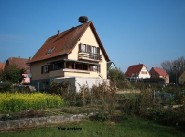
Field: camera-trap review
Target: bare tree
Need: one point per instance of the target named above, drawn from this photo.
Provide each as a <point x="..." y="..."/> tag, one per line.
<point x="174" y="68"/>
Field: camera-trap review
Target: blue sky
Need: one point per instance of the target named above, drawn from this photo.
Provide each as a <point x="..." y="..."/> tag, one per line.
<point x="132" y="31"/>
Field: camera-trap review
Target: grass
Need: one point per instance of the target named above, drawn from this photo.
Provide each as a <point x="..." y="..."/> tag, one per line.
<point x="130" y="127"/>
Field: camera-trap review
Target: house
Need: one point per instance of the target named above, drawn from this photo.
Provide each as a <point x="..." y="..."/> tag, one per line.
<point x="159" y="73"/>
<point x="76" y="55"/>
<point x="137" y="72"/>
<point x="182" y="78"/>
<point x="21" y="63"/>
<point x="2" y="66"/>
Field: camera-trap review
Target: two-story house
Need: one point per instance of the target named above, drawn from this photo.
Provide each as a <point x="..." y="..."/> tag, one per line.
<point x="137" y="72"/>
<point x="76" y="55"/>
<point x="159" y="73"/>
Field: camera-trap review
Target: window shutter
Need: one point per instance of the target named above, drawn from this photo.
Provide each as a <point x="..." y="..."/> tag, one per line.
<point x="99" y="68"/>
<point x="42" y="69"/>
<point x="89" y="48"/>
<point x="80" y="47"/>
<point x="98" y="50"/>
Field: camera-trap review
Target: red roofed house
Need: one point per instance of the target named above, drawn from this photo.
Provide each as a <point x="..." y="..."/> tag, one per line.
<point x="156" y="73"/>
<point x="76" y="54"/>
<point x="2" y="66"/>
<point x="137" y="72"/>
<point x="21" y="63"/>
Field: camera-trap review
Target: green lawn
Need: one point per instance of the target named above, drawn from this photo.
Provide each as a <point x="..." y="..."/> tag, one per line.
<point x="131" y="127"/>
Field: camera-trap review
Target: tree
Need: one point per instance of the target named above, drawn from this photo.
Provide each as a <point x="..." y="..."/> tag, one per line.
<point x="116" y="74"/>
<point x="1" y="75"/>
<point x="12" y="74"/>
<point x="174" y="68"/>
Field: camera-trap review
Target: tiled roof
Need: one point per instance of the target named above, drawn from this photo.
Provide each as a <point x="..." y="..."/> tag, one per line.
<point x="2" y="65"/>
<point x="63" y="43"/>
<point x="133" y="70"/>
<point x="158" y="71"/>
<point x="19" y="62"/>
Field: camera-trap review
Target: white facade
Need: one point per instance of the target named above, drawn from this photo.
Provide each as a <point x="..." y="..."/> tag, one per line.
<point x="143" y="74"/>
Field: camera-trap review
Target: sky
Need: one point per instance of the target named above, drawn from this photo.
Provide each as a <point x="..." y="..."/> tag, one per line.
<point x="132" y="31"/>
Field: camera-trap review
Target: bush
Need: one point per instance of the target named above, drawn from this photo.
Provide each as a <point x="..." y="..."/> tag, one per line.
<point x="15" y="102"/>
<point x="5" y="86"/>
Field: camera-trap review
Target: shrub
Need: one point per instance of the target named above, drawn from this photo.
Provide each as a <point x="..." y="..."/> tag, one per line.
<point x="5" y="86"/>
<point x="14" y="102"/>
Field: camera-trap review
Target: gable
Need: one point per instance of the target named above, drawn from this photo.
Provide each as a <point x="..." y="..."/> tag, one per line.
<point x="133" y="70"/>
<point x="89" y="37"/>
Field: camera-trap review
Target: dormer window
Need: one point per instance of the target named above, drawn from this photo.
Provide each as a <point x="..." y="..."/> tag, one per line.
<point x="50" y="50"/>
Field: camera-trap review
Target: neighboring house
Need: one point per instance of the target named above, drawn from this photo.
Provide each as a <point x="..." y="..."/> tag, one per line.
<point x="2" y="66"/>
<point x="76" y="55"/>
<point x="159" y="73"/>
<point x="137" y="72"/>
<point x="21" y="63"/>
<point x="182" y="78"/>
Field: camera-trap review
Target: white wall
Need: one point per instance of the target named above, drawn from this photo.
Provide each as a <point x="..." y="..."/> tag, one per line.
<point x="144" y="73"/>
<point x="77" y="82"/>
<point x="89" y="82"/>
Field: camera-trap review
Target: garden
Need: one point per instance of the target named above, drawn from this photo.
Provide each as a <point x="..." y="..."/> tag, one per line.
<point x="156" y="110"/>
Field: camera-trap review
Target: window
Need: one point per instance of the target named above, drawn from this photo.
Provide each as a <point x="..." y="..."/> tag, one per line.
<point x="94" y="52"/>
<point x="82" y="47"/>
<point x="95" y="68"/>
<point x="56" y="65"/>
<point x="50" y="50"/>
<point x="143" y="72"/>
<point x="89" y="49"/>
<point x="44" y="69"/>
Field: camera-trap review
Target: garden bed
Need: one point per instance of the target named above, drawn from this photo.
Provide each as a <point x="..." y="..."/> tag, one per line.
<point x="16" y="102"/>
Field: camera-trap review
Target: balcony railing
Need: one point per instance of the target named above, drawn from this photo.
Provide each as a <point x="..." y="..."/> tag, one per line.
<point x="89" y="56"/>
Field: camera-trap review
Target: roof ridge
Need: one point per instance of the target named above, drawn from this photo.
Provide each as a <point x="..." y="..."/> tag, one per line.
<point x="18" y="58"/>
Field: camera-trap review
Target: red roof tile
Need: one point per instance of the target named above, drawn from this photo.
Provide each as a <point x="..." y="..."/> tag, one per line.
<point x="133" y="70"/>
<point x="19" y="62"/>
<point x="63" y="43"/>
<point x="158" y="71"/>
